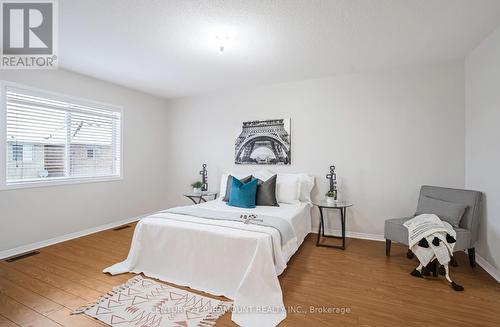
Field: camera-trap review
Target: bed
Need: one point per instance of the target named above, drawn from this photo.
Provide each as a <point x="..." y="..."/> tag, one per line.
<point x="221" y="256"/>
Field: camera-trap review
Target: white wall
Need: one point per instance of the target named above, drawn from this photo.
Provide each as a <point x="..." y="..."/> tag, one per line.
<point x="482" y="140"/>
<point x="387" y="133"/>
<point x="37" y="214"/>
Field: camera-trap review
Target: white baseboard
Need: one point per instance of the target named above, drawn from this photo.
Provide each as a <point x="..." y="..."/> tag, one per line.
<point x="490" y="269"/>
<point x="363" y="236"/>
<point x="37" y="245"/>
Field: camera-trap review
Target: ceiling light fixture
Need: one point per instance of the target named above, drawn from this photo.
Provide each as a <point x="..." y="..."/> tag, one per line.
<point x="222" y="42"/>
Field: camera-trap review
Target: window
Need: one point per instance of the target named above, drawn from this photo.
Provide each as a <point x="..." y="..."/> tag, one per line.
<point x="51" y="138"/>
<point x="27" y="152"/>
<point x="17" y="152"/>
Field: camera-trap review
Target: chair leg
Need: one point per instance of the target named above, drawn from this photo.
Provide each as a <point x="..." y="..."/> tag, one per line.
<point x="434" y="268"/>
<point x="410" y="254"/>
<point x="388" y="248"/>
<point x="472" y="257"/>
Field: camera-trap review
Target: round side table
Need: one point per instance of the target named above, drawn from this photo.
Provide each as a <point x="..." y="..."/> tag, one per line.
<point x="338" y="205"/>
<point x="198" y="198"/>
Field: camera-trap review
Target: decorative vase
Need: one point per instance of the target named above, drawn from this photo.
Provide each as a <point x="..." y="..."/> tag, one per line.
<point x="196" y="190"/>
<point x="330" y="200"/>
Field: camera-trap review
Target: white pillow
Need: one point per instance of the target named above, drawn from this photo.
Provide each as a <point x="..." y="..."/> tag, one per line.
<point x="288" y="188"/>
<point x="223" y="183"/>
<point x="306" y="186"/>
<point x="263" y="174"/>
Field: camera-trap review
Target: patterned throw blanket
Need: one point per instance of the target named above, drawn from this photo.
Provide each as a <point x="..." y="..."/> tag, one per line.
<point x="429" y="227"/>
<point x="431" y="239"/>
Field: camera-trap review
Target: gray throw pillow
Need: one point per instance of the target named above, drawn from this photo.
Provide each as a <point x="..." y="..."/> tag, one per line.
<point x="228" y="185"/>
<point x="266" y="192"/>
<point x="448" y="211"/>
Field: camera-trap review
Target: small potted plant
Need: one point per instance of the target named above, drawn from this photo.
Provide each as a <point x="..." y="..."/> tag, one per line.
<point x="331" y="197"/>
<point x="197" y="187"/>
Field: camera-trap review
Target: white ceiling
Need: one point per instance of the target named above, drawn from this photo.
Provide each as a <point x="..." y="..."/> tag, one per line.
<point x="168" y="48"/>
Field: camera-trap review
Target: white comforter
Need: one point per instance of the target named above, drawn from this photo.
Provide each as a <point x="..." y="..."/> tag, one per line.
<point x="239" y="261"/>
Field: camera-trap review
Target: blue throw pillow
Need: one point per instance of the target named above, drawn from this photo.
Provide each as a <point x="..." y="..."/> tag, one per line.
<point x="243" y="195"/>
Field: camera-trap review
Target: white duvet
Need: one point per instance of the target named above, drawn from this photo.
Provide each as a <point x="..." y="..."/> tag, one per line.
<point x="239" y="261"/>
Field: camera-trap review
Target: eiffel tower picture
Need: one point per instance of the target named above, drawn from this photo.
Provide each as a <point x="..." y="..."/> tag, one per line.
<point x="264" y="142"/>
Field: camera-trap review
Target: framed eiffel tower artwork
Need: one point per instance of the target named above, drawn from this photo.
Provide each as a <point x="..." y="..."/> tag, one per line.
<point x="264" y="142"/>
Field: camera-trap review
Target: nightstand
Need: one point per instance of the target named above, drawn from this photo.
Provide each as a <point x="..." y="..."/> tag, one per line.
<point x="340" y="206"/>
<point x="198" y="198"/>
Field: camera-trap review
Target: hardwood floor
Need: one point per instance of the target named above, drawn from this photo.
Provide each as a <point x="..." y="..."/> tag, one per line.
<point x="43" y="289"/>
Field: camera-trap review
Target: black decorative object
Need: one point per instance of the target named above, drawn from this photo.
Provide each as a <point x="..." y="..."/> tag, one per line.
<point x="332" y="176"/>
<point x="204" y="176"/>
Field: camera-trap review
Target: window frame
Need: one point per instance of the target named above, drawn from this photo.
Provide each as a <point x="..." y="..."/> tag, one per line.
<point x="63" y="180"/>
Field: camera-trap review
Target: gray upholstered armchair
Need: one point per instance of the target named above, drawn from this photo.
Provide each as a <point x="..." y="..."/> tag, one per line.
<point x="466" y="233"/>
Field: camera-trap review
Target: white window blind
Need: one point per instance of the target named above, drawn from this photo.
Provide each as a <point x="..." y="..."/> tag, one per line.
<point x="51" y="138"/>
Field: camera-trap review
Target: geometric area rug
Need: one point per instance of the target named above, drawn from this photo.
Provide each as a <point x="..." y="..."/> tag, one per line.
<point x="145" y="302"/>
